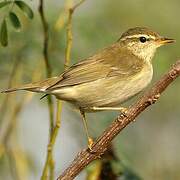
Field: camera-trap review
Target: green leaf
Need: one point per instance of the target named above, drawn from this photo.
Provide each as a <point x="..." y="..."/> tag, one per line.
<point x="4" y="34"/>
<point x="25" y="8"/>
<point x="4" y="3"/>
<point x="15" y="20"/>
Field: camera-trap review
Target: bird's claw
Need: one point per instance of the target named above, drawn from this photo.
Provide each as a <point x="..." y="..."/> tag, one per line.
<point x="124" y="112"/>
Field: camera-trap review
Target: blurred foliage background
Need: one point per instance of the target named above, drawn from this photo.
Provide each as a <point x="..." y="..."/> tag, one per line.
<point x="148" y="148"/>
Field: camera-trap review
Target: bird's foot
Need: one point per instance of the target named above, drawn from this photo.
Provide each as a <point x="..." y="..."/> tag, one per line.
<point x="123" y="111"/>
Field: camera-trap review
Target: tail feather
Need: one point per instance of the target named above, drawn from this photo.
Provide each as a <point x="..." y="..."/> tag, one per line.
<point x="40" y="86"/>
<point x="28" y="88"/>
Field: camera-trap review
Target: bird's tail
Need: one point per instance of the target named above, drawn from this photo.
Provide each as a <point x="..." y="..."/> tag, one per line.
<point x="40" y="86"/>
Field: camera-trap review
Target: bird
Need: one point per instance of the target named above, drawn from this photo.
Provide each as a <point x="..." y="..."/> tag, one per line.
<point x="108" y="78"/>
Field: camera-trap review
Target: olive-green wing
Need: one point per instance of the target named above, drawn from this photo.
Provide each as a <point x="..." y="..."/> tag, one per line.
<point x="108" y="63"/>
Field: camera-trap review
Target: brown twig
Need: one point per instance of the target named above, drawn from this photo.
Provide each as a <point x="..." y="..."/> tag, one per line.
<point x="100" y="146"/>
<point x="49" y="161"/>
<point x="46" y="38"/>
<point x="46" y="58"/>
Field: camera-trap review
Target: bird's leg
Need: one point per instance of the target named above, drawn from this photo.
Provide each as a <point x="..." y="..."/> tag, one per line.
<point x="123" y="110"/>
<point x="90" y="140"/>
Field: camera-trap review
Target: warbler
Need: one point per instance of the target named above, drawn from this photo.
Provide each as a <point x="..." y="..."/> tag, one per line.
<point x="107" y="79"/>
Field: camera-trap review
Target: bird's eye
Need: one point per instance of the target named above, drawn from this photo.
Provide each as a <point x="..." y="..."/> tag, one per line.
<point x="143" y="39"/>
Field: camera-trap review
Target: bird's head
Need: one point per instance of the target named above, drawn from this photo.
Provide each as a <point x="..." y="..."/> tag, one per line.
<point x="143" y="42"/>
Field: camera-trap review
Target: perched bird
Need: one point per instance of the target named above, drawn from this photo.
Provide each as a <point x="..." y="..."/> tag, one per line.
<point x="108" y="78"/>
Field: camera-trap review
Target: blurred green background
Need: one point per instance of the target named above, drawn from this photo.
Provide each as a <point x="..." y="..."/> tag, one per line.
<point x="149" y="147"/>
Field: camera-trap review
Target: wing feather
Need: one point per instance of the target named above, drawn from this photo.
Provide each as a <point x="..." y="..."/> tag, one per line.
<point x="110" y="62"/>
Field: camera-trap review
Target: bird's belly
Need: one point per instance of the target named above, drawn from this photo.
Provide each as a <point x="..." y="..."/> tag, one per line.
<point x="106" y="92"/>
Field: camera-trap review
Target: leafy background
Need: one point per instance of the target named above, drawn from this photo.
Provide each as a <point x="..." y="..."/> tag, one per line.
<point x="149" y="147"/>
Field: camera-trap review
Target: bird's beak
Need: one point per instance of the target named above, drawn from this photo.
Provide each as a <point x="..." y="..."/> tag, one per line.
<point x="163" y="40"/>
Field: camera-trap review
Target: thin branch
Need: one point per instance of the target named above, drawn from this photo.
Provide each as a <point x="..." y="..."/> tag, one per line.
<point x="46" y="58"/>
<point x="49" y="160"/>
<point x="100" y="146"/>
<point x="52" y="143"/>
<point x="69" y="33"/>
<point x="49" y="98"/>
<point x="46" y="38"/>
